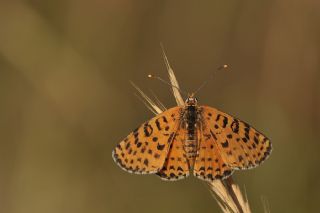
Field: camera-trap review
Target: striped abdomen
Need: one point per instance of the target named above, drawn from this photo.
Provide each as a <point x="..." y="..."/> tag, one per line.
<point x="190" y="144"/>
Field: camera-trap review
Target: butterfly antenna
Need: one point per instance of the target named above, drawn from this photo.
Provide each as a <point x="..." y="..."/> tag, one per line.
<point x="167" y="83"/>
<point x="225" y="66"/>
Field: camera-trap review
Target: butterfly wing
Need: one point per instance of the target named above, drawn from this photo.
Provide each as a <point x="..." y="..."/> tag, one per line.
<point x="145" y="149"/>
<point x="176" y="166"/>
<point x="234" y="143"/>
<point x="210" y="163"/>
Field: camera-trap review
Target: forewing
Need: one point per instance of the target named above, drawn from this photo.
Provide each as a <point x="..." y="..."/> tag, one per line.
<point x="145" y="149"/>
<point x="240" y="145"/>
<point x="176" y="166"/>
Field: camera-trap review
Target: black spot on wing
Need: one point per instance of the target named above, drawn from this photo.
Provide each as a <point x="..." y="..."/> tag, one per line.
<point x="160" y="146"/>
<point x="218" y="117"/>
<point x="147" y="129"/>
<point x="165" y="119"/>
<point x="235" y="126"/>
<point x="229" y="136"/>
<point x="256" y="140"/>
<point x="225" y="144"/>
<point x="119" y="147"/>
<point x="158" y="124"/>
<point x="127" y="146"/>
<point x="156" y="156"/>
<point x="245" y="140"/>
<point x="225" y="122"/>
<point x="247" y="135"/>
<point x="180" y="169"/>
<point x="209" y="176"/>
<point x="146" y="162"/>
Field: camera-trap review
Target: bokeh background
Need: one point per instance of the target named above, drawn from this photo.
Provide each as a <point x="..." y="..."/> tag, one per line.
<point x="66" y="100"/>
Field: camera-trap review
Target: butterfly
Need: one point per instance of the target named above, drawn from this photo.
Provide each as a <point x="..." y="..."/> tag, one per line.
<point x="192" y="139"/>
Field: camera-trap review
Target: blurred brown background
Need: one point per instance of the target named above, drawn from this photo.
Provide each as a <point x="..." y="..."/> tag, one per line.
<point x="66" y="100"/>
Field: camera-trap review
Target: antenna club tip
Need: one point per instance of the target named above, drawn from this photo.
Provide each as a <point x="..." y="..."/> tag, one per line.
<point x="150" y="76"/>
<point x="225" y="66"/>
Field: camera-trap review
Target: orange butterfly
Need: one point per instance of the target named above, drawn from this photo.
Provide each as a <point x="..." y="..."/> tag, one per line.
<point x="192" y="138"/>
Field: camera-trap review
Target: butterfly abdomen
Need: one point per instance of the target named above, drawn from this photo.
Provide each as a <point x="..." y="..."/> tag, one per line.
<point x="190" y="144"/>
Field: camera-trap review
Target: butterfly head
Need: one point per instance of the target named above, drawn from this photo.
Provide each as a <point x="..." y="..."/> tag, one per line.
<point x="191" y="100"/>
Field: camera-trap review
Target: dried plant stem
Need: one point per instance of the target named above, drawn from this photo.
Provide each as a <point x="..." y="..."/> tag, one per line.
<point x="148" y="102"/>
<point x="228" y="183"/>
<point x="173" y="80"/>
<point x="230" y="198"/>
<point x="265" y="204"/>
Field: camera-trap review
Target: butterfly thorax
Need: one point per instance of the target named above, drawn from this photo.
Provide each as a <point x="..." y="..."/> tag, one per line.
<point x="190" y="124"/>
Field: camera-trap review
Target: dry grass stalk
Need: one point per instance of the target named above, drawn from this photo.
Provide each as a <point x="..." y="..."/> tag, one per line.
<point x="227" y="194"/>
<point x="148" y="102"/>
<point x="173" y="80"/>
<point x="265" y="203"/>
